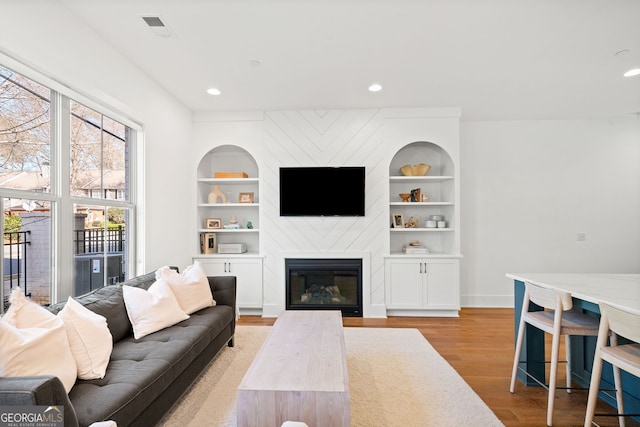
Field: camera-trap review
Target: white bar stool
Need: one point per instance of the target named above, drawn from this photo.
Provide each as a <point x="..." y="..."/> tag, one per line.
<point x="557" y="319"/>
<point x="621" y="356"/>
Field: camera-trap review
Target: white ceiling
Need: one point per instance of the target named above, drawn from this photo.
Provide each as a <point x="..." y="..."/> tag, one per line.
<point x="496" y="59"/>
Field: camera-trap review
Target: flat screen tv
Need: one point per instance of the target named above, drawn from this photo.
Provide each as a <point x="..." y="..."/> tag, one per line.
<point x="322" y="191"/>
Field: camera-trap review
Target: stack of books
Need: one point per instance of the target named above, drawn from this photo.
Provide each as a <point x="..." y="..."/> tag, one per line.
<point x="419" y="249"/>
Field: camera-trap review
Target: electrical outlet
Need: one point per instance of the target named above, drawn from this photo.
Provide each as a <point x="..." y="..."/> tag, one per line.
<point x="582" y="237"/>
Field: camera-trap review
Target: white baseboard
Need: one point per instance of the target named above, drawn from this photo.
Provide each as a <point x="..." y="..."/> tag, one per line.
<point x="423" y="313"/>
<point x="487" y="301"/>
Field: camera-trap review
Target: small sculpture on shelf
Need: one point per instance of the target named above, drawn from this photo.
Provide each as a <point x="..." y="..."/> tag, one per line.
<point x="216" y="194"/>
<point x="233" y="224"/>
<point x="412" y="223"/>
<point x="249" y="225"/>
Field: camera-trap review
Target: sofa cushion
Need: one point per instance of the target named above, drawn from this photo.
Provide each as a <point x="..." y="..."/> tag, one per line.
<point x="191" y="287"/>
<point x="152" y="310"/>
<point x="140" y="370"/>
<point x="33" y="341"/>
<point x="89" y="337"/>
<point x="107" y="301"/>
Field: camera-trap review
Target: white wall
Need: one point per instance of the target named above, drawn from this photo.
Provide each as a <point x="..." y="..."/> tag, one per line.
<point x="528" y="188"/>
<point x="44" y="36"/>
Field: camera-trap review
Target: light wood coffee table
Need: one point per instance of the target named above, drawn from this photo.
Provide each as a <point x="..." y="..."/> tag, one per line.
<point x="299" y="374"/>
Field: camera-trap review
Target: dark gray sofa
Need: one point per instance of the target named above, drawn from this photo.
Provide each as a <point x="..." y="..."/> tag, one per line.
<point x="145" y="377"/>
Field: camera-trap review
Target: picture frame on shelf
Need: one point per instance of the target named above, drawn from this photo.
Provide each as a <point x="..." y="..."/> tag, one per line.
<point x="213" y="223"/>
<point x="208" y="243"/>
<point x="397" y="220"/>
<point x="245" y="197"/>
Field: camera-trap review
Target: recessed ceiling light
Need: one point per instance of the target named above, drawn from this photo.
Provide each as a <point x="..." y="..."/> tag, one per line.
<point x="213" y="91"/>
<point x="376" y="87"/>
<point x="631" y="73"/>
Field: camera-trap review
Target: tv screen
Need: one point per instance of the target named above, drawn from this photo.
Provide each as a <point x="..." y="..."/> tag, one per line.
<point x="322" y="191"/>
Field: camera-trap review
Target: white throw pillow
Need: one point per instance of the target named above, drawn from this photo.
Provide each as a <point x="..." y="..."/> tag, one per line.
<point x="89" y="337"/>
<point x="191" y="287"/>
<point x="24" y="313"/>
<point x="152" y="310"/>
<point x="33" y="341"/>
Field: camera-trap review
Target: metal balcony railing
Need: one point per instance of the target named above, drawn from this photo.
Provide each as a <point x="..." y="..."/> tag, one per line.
<point x="15" y="258"/>
<point x="99" y="240"/>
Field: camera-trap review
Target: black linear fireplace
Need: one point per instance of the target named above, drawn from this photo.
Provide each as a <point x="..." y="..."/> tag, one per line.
<point x="324" y="284"/>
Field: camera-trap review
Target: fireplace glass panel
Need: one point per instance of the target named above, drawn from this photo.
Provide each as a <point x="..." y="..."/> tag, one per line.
<point x="325" y="284"/>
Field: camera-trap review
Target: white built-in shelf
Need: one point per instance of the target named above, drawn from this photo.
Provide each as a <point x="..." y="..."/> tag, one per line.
<point x="229" y="158"/>
<point x="429" y="255"/>
<point x="421" y="204"/>
<point x="228" y="205"/>
<point x="228" y="180"/>
<point x="410" y="229"/>
<point x="226" y="230"/>
<point x="242" y="255"/>
<point x="435" y="178"/>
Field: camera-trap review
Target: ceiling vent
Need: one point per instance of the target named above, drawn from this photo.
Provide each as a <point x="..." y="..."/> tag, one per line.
<point x="157" y="26"/>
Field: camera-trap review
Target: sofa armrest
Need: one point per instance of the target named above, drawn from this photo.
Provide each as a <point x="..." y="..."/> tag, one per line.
<point x="46" y="390"/>
<point x="224" y="290"/>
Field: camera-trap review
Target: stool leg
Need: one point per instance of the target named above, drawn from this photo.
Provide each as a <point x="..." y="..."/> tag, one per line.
<point x="568" y="356"/>
<point x="596" y="372"/>
<point x="594" y="388"/>
<point x="619" y="399"/>
<point x="617" y="380"/>
<point x="516" y="357"/>
<point x="553" y="375"/>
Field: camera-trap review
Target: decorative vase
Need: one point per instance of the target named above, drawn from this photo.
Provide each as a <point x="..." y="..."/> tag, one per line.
<point x="405" y="196"/>
<point x="415" y="170"/>
<point x="217" y="193"/>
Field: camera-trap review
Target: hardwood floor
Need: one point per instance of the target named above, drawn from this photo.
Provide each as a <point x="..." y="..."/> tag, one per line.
<point x="479" y="346"/>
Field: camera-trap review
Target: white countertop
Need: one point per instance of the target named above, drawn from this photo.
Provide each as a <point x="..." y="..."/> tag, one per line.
<point x="622" y="290"/>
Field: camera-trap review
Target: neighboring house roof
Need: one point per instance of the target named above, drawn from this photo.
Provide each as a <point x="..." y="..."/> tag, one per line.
<point x="20" y="180"/>
<point x="90" y="180"/>
<point x="86" y="180"/>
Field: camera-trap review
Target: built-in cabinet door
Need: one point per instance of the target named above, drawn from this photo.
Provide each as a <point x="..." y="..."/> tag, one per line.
<point x="422" y="284"/>
<point x="442" y="288"/>
<point x="406" y="277"/>
<point x="248" y="272"/>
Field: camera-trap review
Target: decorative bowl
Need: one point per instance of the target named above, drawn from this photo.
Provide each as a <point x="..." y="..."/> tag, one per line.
<point x="415" y="170"/>
<point x="405" y="196"/>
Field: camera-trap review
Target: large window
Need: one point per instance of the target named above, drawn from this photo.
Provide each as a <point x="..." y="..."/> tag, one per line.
<point x="67" y="195"/>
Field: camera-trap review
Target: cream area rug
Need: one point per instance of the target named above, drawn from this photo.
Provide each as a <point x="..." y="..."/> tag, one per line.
<point x="396" y="379"/>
